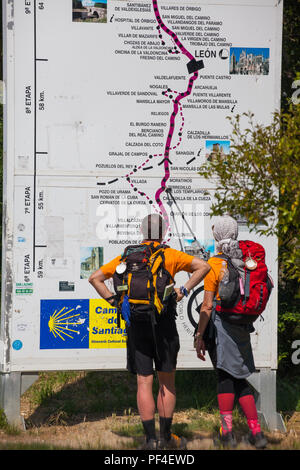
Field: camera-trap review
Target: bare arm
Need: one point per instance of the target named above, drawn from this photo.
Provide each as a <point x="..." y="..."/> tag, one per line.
<point x="199" y="270"/>
<point x="97" y="280"/>
<point x="205" y="313"/>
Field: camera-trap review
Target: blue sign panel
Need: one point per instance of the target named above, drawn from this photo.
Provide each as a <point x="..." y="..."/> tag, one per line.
<point x="64" y="324"/>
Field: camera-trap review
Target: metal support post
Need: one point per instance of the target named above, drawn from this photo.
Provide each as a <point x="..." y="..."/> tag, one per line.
<point x="264" y="383"/>
<point x="12" y="386"/>
<point x="10" y="398"/>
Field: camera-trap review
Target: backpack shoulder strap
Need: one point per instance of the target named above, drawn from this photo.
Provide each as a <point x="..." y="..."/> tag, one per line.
<point x="153" y="248"/>
<point x="157" y="263"/>
<point x="159" y="250"/>
<point x="225" y="257"/>
<point x="159" y="253"/>
<point x="161" y="246"/>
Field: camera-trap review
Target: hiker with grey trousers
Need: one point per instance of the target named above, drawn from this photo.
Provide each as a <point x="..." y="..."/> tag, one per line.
<point x="227" y="339"/>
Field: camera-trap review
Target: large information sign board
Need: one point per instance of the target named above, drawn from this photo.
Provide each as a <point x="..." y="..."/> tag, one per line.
<point x="111" y="107"/>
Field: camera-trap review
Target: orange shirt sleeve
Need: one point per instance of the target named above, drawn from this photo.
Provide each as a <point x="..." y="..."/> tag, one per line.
<point x="177" y="261"/>
<point x="211" y="280"/>
<point x="110" y="268"/>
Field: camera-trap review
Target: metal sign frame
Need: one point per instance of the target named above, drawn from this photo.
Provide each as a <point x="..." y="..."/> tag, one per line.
<point x="22" y="376"/>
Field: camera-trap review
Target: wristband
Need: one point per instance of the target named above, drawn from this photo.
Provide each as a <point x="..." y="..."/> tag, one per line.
<point x="198" y="335"/>
<point x="184" y="291"/>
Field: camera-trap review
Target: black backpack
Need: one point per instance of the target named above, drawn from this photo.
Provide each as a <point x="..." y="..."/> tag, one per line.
<point x="140" y="282"/>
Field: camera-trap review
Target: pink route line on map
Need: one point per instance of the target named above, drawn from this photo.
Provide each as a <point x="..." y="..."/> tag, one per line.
<point x="177" y="106"/>
<point x="161" y="154"/>
<point x="141" y="193"/>
<point x="174" y="113"/>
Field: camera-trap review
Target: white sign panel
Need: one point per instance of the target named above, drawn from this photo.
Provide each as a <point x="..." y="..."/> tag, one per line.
<point x="112" y="106"/>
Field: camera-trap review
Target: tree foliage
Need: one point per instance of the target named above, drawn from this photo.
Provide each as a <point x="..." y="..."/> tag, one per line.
<point x="259" y="181"/>
<point x="77" y="4"/>
<point x="290" y="50"/>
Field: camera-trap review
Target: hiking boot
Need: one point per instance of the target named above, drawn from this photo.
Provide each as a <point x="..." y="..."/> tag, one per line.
<point x="258" y="440"/>
<point x="226" y="439"/>
<point x="151" y="444"/>
<point x="173" y="443"/>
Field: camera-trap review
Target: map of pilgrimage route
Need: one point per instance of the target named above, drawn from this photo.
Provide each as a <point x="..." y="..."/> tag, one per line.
<point x="110" y="118"/>
<point x="193" y="68"/>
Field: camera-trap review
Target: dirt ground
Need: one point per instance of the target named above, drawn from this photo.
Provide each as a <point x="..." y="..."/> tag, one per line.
<point x="48" y="426"/>
<point x="99" y="434"/>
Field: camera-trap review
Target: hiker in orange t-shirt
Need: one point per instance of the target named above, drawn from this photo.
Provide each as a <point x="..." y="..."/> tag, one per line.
<point x="228" y="341"/>
<point x="158" y="344"/>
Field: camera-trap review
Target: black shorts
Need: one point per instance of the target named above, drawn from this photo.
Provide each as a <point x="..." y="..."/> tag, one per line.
<point x="143" y="350"/>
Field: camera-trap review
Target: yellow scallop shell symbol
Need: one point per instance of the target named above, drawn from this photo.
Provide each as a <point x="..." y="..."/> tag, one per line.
<point x="59" y="323"/>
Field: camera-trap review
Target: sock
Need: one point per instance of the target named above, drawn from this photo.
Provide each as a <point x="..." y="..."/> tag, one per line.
<point x="149" y="428"/>
<point x="248" y="406"/>
<point x="226" y="421"/>
<point x="165" y="427"/>
<point x="226" y="402"/>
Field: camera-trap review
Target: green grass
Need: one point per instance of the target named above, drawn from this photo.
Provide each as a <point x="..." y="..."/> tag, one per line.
<point x="105" y="393"/>
<point x="67" y="398"/>
<point x="70" y="395"/>
<point x="129" y="430"/>
<point x="31" y="446"/>
<point x="8" y="428"/>
<point x="201" y="386"/>
<point x="288" y="394"/>
<point x="91" y="20"/>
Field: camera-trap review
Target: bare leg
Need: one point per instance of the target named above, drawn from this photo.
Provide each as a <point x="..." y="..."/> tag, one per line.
<point x="145" y="400"/>
<point x="146" y="407"/>
<point x="166" y="399"/>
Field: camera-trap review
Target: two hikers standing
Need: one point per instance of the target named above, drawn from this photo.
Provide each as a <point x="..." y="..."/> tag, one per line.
<point x="146" y="298"/>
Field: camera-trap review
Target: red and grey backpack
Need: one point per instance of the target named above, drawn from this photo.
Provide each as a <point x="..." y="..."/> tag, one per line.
<point x="245" y="295"/>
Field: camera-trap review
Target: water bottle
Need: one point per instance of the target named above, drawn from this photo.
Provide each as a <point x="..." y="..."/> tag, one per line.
<point x="224" y="273"/>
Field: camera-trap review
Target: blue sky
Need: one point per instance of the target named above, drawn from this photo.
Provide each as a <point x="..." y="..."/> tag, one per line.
<point x="250" y="50"/>
<point x="91" y="3"/>
<point x="224" y="143"/>
<point x="85" y="253"/>
<point x="207" y="244"/>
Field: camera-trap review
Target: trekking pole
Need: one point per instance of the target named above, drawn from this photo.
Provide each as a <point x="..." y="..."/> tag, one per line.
<point x="175" y="223"/>
<point x="204" y="254"/>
